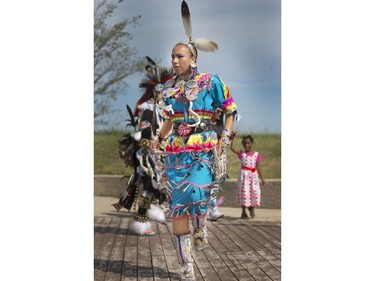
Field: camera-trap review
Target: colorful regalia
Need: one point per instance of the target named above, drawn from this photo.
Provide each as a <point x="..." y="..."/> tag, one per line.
<point x="189" y="159"/>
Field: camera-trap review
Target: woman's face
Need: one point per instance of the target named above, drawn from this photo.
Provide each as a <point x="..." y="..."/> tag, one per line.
<point x="181" y="59"/>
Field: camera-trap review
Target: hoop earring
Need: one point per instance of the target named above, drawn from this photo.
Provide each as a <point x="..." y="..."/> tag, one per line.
<point x="194" y="69"/>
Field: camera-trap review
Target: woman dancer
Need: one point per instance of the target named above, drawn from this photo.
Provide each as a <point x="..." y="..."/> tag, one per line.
<point x="190" y="99"/>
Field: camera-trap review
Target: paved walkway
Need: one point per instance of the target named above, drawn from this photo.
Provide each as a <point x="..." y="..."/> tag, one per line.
<point x="239" y="249"/>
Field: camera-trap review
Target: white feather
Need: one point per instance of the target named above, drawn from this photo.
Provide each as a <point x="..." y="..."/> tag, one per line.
<point x="139" y="228"/>
<point x="156" y="213"/>
<point x="206" y="45"/>
<point x="136" y="135"/>
<point x="185" y="13"/>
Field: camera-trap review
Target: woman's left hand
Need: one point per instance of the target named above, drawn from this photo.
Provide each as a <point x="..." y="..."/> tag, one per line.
<point x="220" y="147"/>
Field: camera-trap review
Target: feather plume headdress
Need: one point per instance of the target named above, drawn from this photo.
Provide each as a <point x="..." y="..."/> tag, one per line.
<point x="152" y="79"/>
<point x="201" y="43"/>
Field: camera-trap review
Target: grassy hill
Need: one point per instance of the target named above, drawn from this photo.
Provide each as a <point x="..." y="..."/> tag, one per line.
<point x="108" y="162"/>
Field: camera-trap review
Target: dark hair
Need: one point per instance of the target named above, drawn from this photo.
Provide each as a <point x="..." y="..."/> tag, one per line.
<point x="248" y="137"/>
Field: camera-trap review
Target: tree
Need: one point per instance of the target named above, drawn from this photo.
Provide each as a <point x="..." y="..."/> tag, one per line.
<point x="114" y="60"/>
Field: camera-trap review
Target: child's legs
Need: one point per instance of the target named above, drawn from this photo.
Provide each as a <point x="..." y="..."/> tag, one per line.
<point x="252" y="211"/>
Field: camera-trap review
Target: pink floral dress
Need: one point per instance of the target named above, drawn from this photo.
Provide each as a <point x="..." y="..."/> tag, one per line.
<point x="248" y="188"/>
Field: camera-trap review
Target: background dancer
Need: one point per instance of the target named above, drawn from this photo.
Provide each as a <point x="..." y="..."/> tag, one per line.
<point x="135" y="149"/>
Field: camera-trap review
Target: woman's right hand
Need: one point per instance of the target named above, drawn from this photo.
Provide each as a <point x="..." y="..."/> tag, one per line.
<point x="154" y="145"/>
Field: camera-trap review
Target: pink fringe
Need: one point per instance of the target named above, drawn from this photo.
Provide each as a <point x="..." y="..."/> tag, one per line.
<point x="220" y="200"/>
<point x="186" y="215"/>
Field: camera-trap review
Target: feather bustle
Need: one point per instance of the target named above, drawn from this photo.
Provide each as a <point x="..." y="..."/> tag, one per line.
<point x="149" y="81"/>
<point x="155" y="68"/>
<point x="151" y="61"/>
<point x="131" y="115"/>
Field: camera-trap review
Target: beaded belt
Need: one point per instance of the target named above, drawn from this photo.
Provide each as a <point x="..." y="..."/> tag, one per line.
<point x="248" y="168"/>
<point x="183" y="130"/>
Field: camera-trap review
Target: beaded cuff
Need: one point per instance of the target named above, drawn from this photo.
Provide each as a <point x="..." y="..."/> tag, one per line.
<point x="225" y="136"/>
<point x="140" y="218"/>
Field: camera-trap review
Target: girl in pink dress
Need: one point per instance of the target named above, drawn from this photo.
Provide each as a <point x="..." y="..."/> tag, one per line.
<point x="248" y="187"/>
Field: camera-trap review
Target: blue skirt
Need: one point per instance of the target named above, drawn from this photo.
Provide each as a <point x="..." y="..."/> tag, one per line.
<point x="190" y="177"/>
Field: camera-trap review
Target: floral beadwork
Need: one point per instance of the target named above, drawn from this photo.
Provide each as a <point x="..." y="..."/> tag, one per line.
<point x="183" y="129"/>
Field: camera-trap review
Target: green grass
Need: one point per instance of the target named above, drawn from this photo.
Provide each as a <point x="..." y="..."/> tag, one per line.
<point x="108" y="162"/>
<point x="106" y="156"/>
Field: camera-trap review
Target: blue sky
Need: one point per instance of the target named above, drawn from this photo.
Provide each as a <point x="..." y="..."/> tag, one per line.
<point x="248" y="60"/>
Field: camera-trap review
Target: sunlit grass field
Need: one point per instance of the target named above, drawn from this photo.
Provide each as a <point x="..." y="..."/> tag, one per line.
<point x="107" y="160"/>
